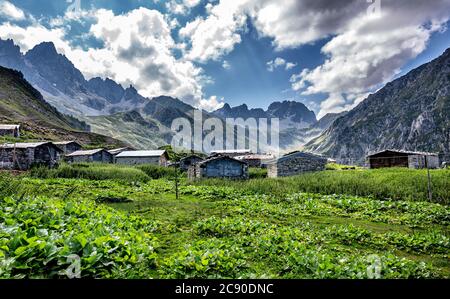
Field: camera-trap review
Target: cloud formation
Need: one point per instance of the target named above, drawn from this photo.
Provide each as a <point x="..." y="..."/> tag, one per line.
<point x="371" y="51"/>
<point x="369" y="41"/>
<point x="137" y="49"/>
<point x="279" y="62"/>
<point x="10" y="11"/>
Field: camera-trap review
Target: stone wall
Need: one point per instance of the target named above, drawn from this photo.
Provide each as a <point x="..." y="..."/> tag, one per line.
<point x="290" y="166"/>
<point x="221" y="168"/>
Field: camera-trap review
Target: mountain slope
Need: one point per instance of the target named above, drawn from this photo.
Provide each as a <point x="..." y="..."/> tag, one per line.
<point x="410" y="113"/>
<point x="23" y="104"/>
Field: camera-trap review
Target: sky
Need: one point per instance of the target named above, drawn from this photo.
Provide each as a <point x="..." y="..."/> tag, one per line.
<point x="330" y="55"/>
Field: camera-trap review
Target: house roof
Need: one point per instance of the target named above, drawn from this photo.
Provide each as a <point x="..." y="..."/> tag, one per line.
<point x="234" y="151"/>
<point x="9" y="127"/>
<point x="296" y="155"/>
<point x="26" y="145"/>
<point x="403" y="152"/>
<point x="119" y="150"/>
<point x="133" y="154"/>
<point x="220" y="158"/>
<point x="66" y="142"/>
<point x="255" y="157"/>
<point x="85" y="153"/>
<point x="190" y="157"/>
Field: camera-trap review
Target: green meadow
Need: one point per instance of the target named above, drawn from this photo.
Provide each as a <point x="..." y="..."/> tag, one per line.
<point x="126" y="222"/>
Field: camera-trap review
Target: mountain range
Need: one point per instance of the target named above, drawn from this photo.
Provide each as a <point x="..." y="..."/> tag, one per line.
<point x="410" y="113"/>
<point x="123" y="113"/>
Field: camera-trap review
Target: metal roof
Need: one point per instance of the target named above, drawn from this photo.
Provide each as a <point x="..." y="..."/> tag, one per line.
<point x="403" y="152"/>
<point x="85" y="153"/>
<point x="65" y="142"/>
<point x="255" y="157"/>
<point x="191" y="156"/>
<point x="220" y="158"/>
<point x="24" y="145"/>
<point x="9" y="127"/>
<point x="132" y="154"/>
<point x="116" y="151"/>
<point x="295" y="155"/>
<point x="234" y="151"/>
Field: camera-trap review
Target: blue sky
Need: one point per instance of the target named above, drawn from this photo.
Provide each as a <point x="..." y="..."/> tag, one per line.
<point x="328" y="56"/>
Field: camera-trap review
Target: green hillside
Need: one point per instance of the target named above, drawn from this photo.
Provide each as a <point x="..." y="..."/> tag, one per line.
<point x="21" y="104"/>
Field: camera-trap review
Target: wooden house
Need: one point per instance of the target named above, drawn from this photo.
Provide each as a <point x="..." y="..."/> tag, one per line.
<point x="399" y="158"/>
<point x="95" y="155"/>
<point x="10" y="130"/>
<point x="23" y="156"/>
<point x="188" y="161"/>
<point x="294" y="164"/>
<point x="157" y="157"/>
<point x="68" y="147"/>
<point x="219" y="167"/>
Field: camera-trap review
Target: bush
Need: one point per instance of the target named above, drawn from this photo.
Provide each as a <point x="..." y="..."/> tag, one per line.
<point x="157" y="172"/>
<point x="92" y="171"/>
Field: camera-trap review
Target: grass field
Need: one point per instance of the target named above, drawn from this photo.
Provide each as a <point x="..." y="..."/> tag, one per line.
<point x="138" y="229"/>
<point x="382" y="184"/>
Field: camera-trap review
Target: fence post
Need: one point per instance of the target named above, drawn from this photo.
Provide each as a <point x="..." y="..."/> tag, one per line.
<point x="430" y="194"/>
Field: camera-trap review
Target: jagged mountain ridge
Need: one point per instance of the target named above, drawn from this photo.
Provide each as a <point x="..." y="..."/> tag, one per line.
<point x="64" y="86"/>
<point x="291" y="114"/>
<point x="410" y="113"/>
<point x="103" y="103"/>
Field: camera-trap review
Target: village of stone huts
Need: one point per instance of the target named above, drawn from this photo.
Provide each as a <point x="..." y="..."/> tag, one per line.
<point x="231" y="164"/>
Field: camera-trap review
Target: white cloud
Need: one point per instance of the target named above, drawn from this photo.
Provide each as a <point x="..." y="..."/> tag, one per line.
<point x="10" y="11"/>
<point x="290" y="65"/>
<point x="212" y="104"/>
<point x="370" y="53"/>
<point x="365" y="50"/>
<point x="217" y="34"/>
<point x="137" y="50"/>
<point x="279" y="62"/>
<point x="181" y="7"/>
<point x="273" y="64"/>
<point x="226" y="65"/>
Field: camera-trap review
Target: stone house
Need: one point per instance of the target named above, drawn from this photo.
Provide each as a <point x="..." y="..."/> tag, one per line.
<point x="294" y="164"/>
<point x="157" y="157"/>
<point x="10" y="130"/>
<point x="231" y="153"/>
<point x="187" y="162"/>
<point x="23" y="156"/>
<point x="398" y="158"/>
<point x="219" y="167"/>
<point x="68" y="147"/>
<point x="95" y="155"/>
<point x="256" y="160"/>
